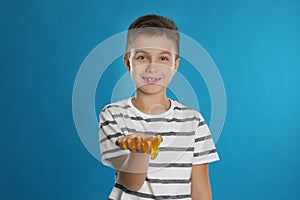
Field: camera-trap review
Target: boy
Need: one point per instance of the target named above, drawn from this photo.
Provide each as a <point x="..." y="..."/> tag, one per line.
<point x="180" y="170"/>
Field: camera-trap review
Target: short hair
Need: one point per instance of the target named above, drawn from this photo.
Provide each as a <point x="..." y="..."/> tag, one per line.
<point x="153" y="25"/>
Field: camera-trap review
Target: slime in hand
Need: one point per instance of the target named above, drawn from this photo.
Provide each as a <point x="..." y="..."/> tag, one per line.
<point x="144" y="145"/>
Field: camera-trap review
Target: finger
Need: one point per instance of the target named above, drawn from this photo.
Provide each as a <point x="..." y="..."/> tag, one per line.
<point x="149" y="143"/>
<point x="119" y="142"/>
<point x="133" y="144"/>
<point x="128" y="143"/>
<point x="144" y="146"/>
<point x="159" y="139"/>
<point x="138" y="144"/>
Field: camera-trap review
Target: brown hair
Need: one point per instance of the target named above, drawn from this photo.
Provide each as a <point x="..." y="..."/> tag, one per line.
<point x="153" y="25"/>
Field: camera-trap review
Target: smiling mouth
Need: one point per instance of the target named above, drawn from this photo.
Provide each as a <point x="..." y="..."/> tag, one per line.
<point x="149" y="80"/>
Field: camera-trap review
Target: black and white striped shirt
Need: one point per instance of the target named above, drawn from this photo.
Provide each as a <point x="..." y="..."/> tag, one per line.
<point x="187" y="141"/>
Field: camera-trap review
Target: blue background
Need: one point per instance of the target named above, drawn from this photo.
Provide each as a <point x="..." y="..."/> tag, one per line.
<point x="255" y="44"/>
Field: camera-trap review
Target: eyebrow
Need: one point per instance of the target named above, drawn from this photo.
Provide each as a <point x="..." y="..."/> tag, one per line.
<point x="162" y="52"/>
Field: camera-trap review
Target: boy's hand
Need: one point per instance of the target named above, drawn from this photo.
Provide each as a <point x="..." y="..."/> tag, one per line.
<point x="140" y="143"/>
<point x="131" y="142"/>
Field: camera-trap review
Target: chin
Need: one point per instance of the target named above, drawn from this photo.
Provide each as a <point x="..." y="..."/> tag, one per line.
<point x="152" y="90"/>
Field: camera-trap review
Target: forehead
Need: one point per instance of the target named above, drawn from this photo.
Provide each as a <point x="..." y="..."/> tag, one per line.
<point x="152" y="42"/>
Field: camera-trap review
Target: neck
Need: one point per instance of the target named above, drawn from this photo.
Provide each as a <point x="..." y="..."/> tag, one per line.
<point x="151" y="104"/>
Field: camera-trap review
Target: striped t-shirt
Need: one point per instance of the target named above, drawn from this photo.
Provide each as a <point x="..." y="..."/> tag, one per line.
<point x="186" y="141"/>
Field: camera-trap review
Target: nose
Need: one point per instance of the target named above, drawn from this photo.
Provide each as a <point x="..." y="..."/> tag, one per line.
<point x="151" y="68"/>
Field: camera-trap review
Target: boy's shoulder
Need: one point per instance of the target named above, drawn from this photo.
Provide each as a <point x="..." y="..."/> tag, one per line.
<point x="118" y="104"/>
<point x="181" y="107"/>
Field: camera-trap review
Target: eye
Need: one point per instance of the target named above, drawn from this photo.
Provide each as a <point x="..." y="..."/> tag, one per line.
<point x="141" y="57"/>
<point x="164" y="58"/>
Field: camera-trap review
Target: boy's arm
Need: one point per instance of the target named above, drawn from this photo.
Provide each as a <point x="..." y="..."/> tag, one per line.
<point x="132" y="169"/>
<point x="200" y="182"/>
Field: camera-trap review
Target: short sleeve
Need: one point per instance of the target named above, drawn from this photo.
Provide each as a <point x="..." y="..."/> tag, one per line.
<point x="109" y="132"/>
<point x="204" y="147"/>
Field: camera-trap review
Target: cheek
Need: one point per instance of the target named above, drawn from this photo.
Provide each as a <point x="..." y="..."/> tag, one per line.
<point x="167" y="72"/>
<point x="135" y="74"/>
<point x="137" y="70"/>
<point x="134" y="64"/>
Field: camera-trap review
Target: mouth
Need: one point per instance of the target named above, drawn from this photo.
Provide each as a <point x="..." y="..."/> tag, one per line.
<point x="151" y="80"/>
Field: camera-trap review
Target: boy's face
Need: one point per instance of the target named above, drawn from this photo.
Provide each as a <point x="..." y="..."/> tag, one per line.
<point x="152" y="63"/>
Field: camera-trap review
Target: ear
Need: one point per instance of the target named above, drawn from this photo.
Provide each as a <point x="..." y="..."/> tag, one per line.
<point x="126" y="62"/>
<point x="176" y="65"/>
